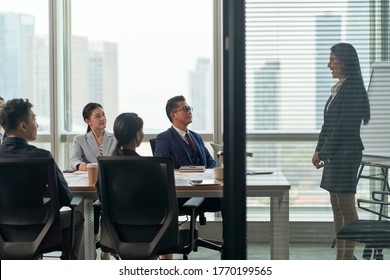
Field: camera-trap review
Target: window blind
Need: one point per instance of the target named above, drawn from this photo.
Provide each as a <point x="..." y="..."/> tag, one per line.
<point x="288" y="82"/>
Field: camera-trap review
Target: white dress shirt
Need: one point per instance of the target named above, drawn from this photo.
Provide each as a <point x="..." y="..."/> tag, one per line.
<point x="1" y="134"/>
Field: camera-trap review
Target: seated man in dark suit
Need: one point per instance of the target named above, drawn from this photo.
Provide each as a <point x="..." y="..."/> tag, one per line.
<point x="18" y="120"/>
<point x="185" y="146"/>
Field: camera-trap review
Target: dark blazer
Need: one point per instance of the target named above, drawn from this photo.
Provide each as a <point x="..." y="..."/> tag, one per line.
<point x="170" y="144"/>
<point x="341" y="128"/>
<point x="18" y="147"/>
<point x="339" y="144"/>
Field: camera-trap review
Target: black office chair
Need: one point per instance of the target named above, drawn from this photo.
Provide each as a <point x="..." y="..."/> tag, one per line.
<point x="152" y="145"/>
<point x="139" y="208"/>
<point x="375" y="234"/>
<point x="29" y="209"/>
<point x="207" y="206"/>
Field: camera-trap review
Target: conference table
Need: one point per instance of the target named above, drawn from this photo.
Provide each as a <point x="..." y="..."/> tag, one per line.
<point x="259" y="184"/>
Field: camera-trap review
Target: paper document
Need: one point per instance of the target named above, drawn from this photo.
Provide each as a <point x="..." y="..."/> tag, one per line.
<point x="258" y="172"/>
<point x="207" y="182"/>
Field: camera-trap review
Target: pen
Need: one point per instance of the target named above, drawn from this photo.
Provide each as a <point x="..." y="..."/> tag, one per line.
<point x="258" y="173"/>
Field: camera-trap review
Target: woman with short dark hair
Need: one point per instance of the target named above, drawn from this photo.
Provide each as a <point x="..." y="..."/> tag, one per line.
<point x="128" y="131"/>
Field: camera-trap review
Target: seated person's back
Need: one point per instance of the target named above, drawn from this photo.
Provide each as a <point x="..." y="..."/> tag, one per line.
<point x="18" y="120"/>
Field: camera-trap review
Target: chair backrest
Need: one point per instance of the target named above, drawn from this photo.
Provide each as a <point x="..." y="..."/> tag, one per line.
<point x="152" y="144"/>
<point x="29" y="207"/>
<point x="217" y="147"/>
<point x="139" y="206"/>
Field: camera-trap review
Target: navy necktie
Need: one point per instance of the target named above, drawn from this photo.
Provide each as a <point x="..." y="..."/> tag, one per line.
<point x="191" y="143"/>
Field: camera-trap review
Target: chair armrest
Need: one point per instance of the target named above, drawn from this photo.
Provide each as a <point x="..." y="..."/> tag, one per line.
<point x="97" y="203"/>
<point x="46" y="200"/>
<point x="375" y="195"/>
<point x="360" y="203"/>
<point x="76" y="201"/>
<point x="375" y="202"/>
<point x="194" y="202"/>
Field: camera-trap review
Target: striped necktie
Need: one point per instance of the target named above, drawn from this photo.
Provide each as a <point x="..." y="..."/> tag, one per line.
<point x="191" y="143"/>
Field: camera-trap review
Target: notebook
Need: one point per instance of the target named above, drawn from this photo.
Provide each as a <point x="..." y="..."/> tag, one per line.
<point x="192" y="168"/>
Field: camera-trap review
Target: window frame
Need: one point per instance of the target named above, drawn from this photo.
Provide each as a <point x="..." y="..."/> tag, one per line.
<point x="60" y="83"/>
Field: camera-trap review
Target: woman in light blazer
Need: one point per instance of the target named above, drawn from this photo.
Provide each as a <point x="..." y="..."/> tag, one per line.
<point x="87" y="147"/>
<point x="95" y="142"/>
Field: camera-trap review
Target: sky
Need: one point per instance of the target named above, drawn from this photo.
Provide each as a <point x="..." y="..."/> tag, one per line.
<point x="155" y="52"/>
<point x="157" y="47"/>
<point x="159" y="42"/>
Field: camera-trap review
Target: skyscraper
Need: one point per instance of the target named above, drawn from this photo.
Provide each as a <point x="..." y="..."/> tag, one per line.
<point x="103" y="78"/>
<point x="358" y="34"/>
<point x="200" y="95"/>
<point x="16" y="33"/>
<point x="94" y="79"/>
<point x="327" y="33"/>
<point x="39" y="80"/>
<point x="265" y="99"/>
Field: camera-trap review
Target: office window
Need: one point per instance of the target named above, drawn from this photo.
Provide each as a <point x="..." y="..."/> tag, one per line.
<point x="134" y="55"/>
<point x="288" y="82"/>
<point x="24" y="55"/>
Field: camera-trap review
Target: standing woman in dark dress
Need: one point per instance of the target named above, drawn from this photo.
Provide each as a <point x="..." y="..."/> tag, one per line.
<point x="339" y="147"/>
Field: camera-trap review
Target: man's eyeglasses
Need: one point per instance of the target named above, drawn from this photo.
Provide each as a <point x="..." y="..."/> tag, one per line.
<point x="185" y="109"/>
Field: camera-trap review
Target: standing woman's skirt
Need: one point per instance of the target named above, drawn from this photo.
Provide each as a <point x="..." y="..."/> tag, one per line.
<point x="340" y="173"/>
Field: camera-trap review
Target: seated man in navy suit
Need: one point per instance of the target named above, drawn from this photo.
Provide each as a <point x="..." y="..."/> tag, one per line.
<point x="185" y="146"/>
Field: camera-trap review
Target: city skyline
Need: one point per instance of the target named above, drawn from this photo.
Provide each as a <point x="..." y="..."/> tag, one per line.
<point x="312" y="93"/>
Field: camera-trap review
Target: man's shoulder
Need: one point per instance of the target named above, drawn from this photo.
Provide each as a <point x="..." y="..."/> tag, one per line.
<point x="23" y="150"/>
<point x="196" y="135"/>
<point x="164" y="134"/>
<point x="38" y="152"/>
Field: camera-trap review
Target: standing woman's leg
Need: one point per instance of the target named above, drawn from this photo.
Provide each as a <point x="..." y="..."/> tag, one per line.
<point x="349" y="213"/>
<point x="338" y="223"/>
